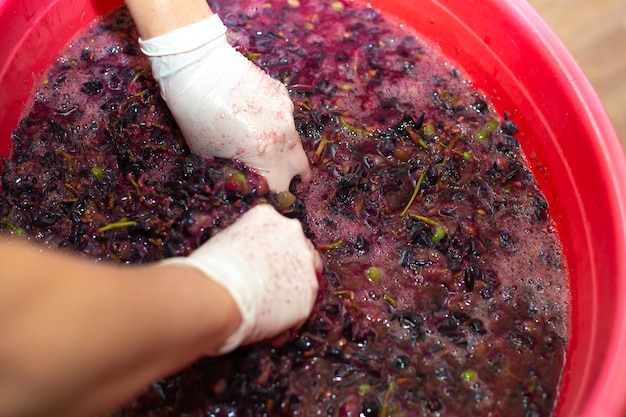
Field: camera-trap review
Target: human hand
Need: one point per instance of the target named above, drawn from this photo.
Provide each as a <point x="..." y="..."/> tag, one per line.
<point x="269" y="268"/>
<point x="225" y="105"/>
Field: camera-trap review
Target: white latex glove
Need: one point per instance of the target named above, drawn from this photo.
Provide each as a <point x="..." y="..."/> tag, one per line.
<point x="224" y="104"/>
<point x="268" y="266"/>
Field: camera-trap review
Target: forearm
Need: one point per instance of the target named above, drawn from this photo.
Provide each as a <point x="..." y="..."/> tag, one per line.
<point x="157" y="17"/>
<point x="78" y="337"/>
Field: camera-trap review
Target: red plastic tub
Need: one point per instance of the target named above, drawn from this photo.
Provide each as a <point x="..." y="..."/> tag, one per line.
<point x="510" y="54"/>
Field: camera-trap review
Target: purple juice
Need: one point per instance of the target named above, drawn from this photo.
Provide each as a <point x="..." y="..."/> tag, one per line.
<point x="444" y="289"/>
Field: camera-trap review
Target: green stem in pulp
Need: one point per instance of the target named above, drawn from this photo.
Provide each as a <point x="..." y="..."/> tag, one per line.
<point x="415" y="191"/>
<point x="440" y="230"/>
<point x="117" y="225"/>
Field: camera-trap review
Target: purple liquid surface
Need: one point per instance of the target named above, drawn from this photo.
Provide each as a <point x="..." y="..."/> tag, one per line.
<point x="444" y="290"/>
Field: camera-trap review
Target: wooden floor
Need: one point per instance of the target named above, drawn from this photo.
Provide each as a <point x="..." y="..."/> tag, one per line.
<point x="594" y="31"/>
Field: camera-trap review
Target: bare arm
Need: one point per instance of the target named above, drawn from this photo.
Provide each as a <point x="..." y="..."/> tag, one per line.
<point x="157" y="17"/>
<point x="79" y="337"/>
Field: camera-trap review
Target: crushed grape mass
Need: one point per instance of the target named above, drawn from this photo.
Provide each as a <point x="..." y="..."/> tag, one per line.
<point x="444" y="292"/>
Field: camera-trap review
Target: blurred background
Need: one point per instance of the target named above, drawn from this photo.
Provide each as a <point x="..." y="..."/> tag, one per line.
<point x="594" y="31"/>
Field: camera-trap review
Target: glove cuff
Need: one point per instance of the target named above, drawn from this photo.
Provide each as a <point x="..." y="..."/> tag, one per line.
<point x="184" y="39"/>
<point x="219" y="274"/>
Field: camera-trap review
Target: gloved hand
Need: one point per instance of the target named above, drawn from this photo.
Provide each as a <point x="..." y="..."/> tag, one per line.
<point x="225" y="105"/>
<point x="269" y="268"/>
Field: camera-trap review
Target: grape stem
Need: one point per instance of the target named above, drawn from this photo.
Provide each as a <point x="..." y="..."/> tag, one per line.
<point x="415" y="191"/>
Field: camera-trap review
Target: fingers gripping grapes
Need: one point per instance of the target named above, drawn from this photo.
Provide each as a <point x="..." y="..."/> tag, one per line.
<point x="225" y="105"/>
<point x="269" y="268"/>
